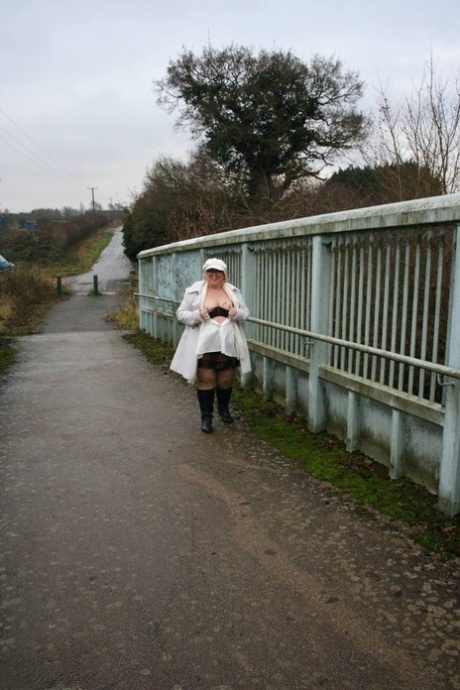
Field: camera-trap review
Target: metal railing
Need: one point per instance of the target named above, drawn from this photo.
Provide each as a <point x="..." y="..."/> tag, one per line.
<point x="365" y="301"/>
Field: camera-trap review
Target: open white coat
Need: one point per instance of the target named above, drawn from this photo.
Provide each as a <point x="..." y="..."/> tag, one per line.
<point x="186" y="357"/>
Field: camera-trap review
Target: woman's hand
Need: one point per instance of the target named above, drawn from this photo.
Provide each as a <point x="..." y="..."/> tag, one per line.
<point x="232" y="312"/>
<point x="204" y="314"/>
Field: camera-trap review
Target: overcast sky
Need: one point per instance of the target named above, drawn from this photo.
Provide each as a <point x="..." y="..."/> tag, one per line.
<point x="77" y="107"/>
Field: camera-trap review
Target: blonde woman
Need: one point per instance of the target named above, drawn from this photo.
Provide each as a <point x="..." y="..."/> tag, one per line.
<point x="213" y="345"/>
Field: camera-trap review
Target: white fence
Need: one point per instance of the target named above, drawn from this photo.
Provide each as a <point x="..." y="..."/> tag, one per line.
<point x="355" y="323"/>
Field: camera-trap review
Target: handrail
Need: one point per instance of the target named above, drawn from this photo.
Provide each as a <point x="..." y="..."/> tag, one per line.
<point x="402" y="359"/>
<point x="439" y="369"/>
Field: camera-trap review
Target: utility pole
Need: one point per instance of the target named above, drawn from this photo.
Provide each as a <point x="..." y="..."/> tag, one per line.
<point x="92" y="193"/>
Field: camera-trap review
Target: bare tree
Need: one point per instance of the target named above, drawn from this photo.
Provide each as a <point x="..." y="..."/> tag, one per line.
<point x="424" y="130"/>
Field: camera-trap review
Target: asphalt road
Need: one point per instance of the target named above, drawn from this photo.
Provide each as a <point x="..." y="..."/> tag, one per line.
<point x="111" y="269"/>
<point x="138" y="553"/>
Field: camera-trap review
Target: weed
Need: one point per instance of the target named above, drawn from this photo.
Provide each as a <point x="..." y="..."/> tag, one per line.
<point x="156" y="351"/>
<point x="7" y="353"/>
<point x="127" y="315"/>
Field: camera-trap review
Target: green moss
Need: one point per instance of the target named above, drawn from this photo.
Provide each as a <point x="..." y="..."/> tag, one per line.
<point x="355" y="476"/>
<point x="352" y="475"/>
<point x="7" y="354"/>
<point x="156" y="352"/>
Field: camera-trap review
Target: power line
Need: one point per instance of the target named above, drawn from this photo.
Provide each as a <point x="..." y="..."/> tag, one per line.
<point x="50" y="172"/>
<point x="38" y="146"/>
<point x="55" y="171"/>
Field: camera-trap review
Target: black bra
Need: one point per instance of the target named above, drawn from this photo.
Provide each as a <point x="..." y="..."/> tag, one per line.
<point x="218" y="311"/>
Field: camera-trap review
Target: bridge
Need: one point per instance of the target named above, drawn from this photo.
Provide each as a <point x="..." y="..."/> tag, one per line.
<point x="137" y="553"/>
<point x="355" y="324"/>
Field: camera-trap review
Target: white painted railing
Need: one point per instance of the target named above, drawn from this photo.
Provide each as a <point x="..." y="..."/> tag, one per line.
<point x="355" y="323"/>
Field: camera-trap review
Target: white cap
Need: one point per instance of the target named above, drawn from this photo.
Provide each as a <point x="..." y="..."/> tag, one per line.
<point x="217" y="264"/>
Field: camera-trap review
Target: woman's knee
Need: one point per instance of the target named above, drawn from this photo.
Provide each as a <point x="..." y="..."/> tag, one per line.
<point x="206" y="378"/>
<point x="225" y="378"/>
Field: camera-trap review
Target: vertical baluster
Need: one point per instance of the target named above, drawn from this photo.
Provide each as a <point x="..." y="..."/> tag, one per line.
<point x="270" y="306"/>
<point x="336" y="273"/>
<point x="279" y="298"/>
<point x="404" y="310"/>
<point x="255" y="305"/>
<point x="291" y="291"/>
<point x="266" y="295"/>
<point x="352" y="324"/>
<point x="274" y="315"/>
<point x="367" y="326"/>
<point x="386" y="292"/>
<point x="276" y="296"/>
<point x="414" y="315"/>
<point x="290" y="298"/>
<point x="359" y="324"/>
<point x="425" y="313"/>
<point x="298" y="316"/>
<point x="395" y="306"/>
<point x="377" y="301"/>
<point x="265" y="305"/>
<point x="345" y="256"/>
<point x="285" y="295"/>
<point x="437" y="312"/>
<point x="305" y="291"/>
<point x="274" y="302"/>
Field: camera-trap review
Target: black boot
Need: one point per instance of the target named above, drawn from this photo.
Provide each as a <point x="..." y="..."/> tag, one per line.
<point x="223" y="399"/>
<point x="206" y="402"/>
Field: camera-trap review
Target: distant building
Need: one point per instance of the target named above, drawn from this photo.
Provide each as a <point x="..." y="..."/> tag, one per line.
<point x="2" y="222"/>
<point x="29" y="224"/>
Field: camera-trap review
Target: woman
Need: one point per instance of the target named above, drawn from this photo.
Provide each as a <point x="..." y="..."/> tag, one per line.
<point x="213" y="344"/>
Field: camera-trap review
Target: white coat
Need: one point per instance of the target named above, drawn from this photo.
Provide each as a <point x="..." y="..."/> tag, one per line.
<point x="185" y="358"/>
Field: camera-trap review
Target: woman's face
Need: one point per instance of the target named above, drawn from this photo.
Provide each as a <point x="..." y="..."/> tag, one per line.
<point x="214" y="278"/>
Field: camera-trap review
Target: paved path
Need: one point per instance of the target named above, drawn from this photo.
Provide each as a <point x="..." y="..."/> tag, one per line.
<point x="138" y="553"/>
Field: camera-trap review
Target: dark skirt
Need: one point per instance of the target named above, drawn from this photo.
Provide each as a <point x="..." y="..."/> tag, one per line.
<point x="218" y="361"/>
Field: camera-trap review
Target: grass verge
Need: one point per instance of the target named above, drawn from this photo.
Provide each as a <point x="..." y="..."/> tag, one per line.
<point x="81" y="256"/>
<point x="400" y="503"/>
<point x="7" y="353"/>
<point x="29" y="291"/>
<point x="127" y="315"/>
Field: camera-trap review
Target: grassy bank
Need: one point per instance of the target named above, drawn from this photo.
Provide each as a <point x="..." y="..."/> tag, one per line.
<point x="28" y="291"/>
<point x="126" y="316"/>
<point x="81" y="256"/>
<point x="400" y="505"/>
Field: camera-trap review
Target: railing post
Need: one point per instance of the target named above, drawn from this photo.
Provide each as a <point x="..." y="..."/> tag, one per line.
<point x="177" y="295"/>
<point x="248" y="283"/>
<point x="320" y="311"/>
<point x="449" y="474"/>
<point x="248" y="278"/>
<point x="153" y="285"/>
<point x="140" y="288"/>
<point x="397" y="445"/>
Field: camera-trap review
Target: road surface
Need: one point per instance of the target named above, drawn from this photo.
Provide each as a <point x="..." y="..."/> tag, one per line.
<point x="138" y="553"/>
<point x="111" y="269"/>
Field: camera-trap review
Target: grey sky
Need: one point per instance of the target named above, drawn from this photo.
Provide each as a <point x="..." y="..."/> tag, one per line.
<point x="76" y="93"/>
